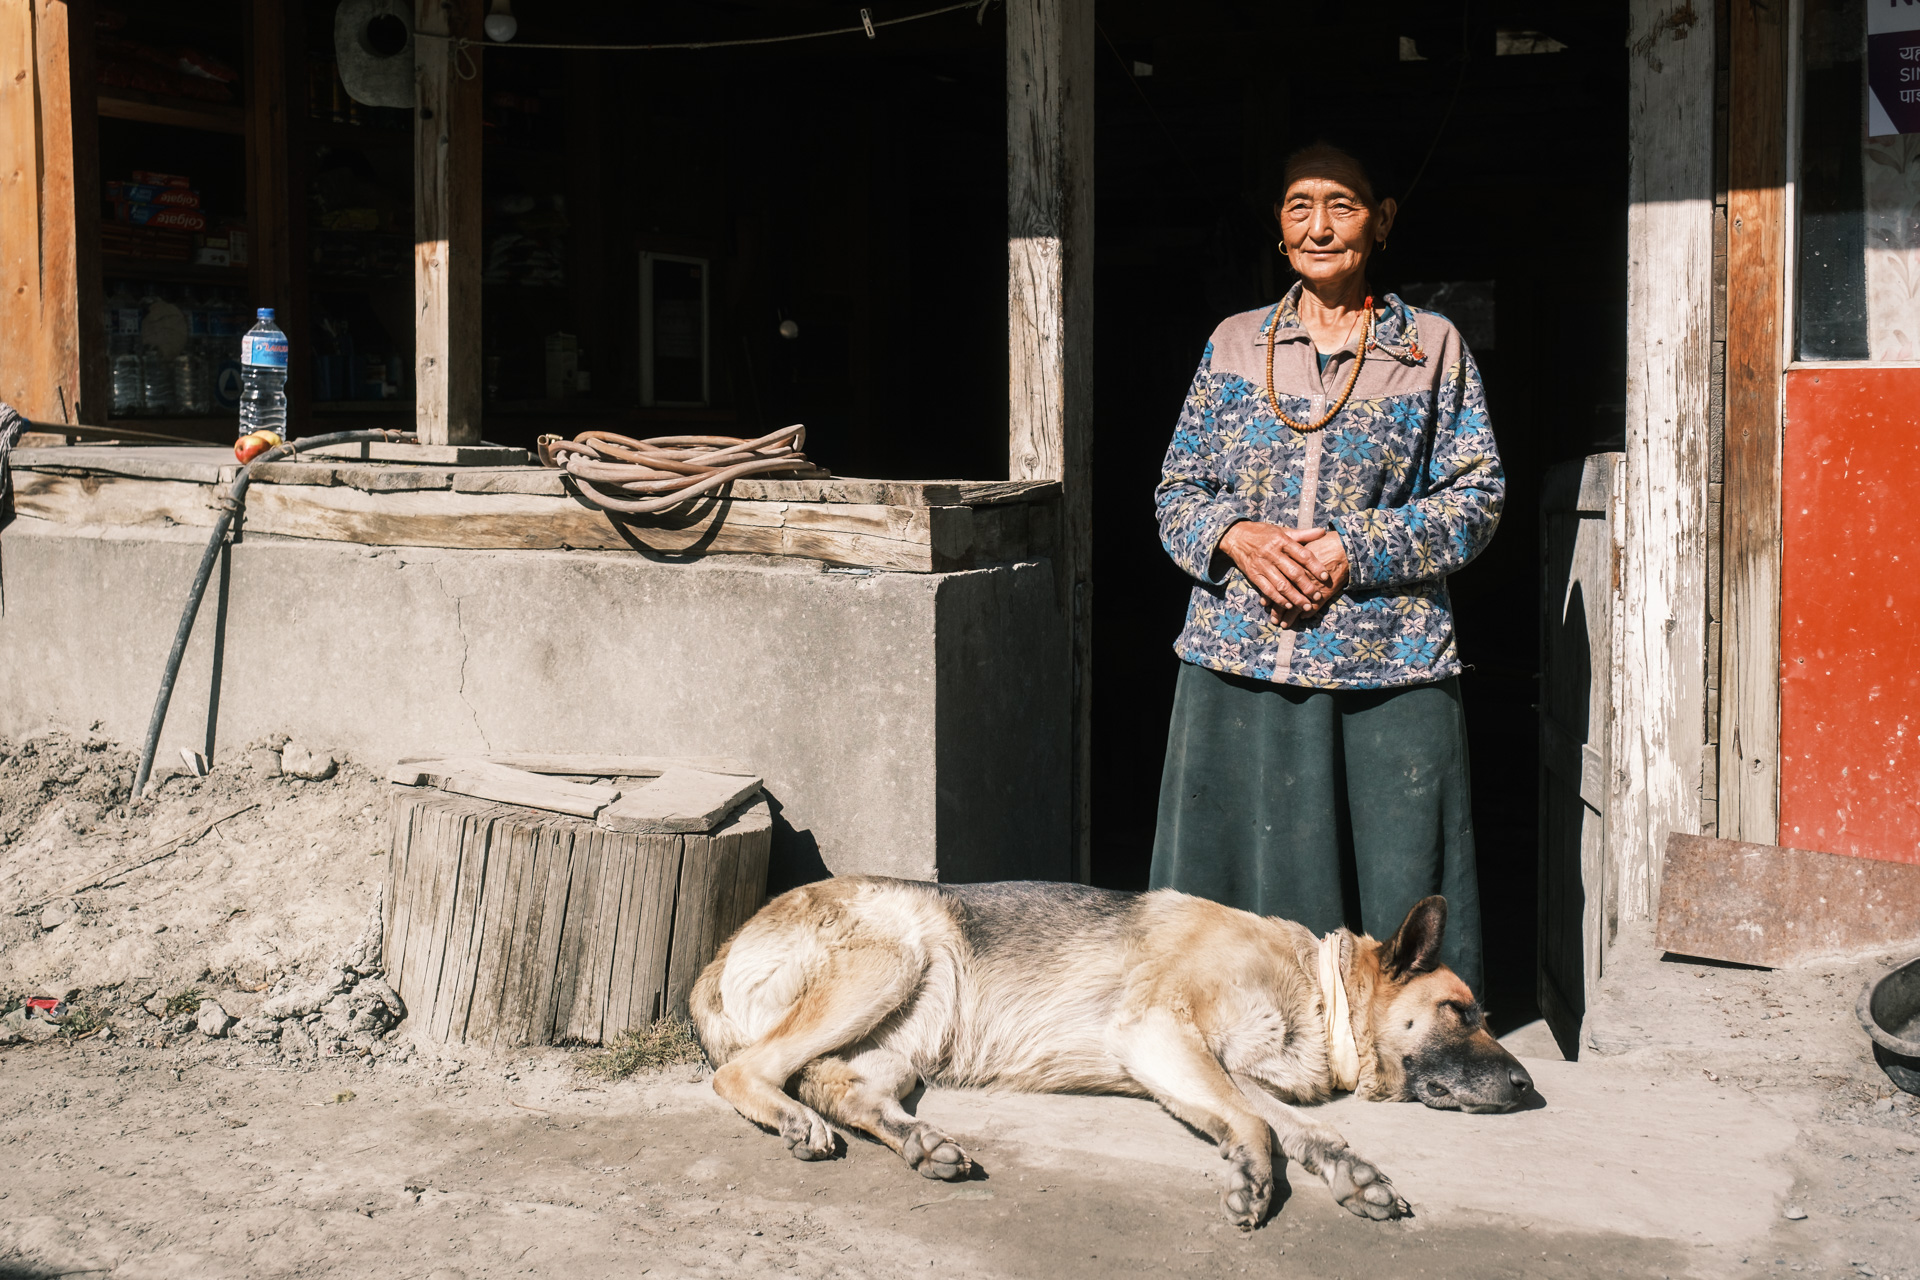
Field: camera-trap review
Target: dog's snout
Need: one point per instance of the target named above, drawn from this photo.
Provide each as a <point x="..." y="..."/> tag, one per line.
<point x="1522" y="1082"/>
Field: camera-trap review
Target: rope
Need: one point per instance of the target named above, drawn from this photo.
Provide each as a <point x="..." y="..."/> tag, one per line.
<point x="865" y="27"/>
<point x="641" y="477"/>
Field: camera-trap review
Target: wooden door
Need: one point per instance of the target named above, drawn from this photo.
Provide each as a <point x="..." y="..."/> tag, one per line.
<point x="1580" y="599"/>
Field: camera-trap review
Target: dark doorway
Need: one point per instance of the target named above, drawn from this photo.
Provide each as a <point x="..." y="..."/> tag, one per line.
<point x="1520" y="215"/>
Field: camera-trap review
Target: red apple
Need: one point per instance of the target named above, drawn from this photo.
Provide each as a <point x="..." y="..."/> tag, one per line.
<point x="249" y="447"/>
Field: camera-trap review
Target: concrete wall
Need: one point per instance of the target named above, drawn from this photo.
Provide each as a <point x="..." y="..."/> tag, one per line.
<point x="907" y="724"/>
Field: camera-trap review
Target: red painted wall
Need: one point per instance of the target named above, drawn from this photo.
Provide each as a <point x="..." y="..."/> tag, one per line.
<point x="1850" y="613"/>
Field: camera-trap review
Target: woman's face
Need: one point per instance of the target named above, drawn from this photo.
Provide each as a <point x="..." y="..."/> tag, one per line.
<point x="1329" y="222"/>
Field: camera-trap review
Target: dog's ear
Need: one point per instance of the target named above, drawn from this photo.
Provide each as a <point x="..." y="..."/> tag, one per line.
<point x="1415" y="949"/>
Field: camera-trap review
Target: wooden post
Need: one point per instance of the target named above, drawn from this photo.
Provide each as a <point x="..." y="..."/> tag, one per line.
<point x="1756" y="322"/>
<point x="269" y="187"/>
<point x="446" y="222"/>
<point x="51" y="360"/>
<point x="1661" y="691"/>
<point x="1050" y="46"/>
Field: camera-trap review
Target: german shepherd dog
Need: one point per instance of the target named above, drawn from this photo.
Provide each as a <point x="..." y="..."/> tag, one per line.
<point x="855" y="988"/>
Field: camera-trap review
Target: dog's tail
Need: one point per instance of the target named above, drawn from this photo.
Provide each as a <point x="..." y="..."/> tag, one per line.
<point x="720" y="1036"/>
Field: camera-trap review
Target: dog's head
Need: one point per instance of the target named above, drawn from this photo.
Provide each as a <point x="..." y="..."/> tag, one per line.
<point x="1430" y="1039"/>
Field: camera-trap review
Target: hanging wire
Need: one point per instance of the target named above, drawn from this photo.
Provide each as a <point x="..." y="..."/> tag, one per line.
<point x="864" y="27"/>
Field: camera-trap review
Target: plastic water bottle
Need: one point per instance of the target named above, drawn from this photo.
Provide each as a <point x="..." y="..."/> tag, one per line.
<point x="123" y="337"/>
<point x="263" y="376"/>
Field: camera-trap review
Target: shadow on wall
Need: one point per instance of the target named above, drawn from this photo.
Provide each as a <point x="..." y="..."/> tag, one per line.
<point x="794" y="859"/>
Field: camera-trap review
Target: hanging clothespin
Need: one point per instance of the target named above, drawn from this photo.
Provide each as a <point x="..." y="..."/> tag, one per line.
<point x="866" y="20"/>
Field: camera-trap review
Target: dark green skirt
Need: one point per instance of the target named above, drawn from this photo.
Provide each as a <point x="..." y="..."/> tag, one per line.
<point x="1327" y="806"/>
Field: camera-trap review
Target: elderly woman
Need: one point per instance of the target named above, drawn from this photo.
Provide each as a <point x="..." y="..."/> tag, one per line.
<point x="1332" y="465"/>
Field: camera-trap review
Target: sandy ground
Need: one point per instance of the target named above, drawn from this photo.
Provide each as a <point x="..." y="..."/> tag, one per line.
<point x="1717" y="1101"/>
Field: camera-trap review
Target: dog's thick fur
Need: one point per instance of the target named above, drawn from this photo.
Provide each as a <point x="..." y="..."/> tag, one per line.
<point x="856" y="988"/>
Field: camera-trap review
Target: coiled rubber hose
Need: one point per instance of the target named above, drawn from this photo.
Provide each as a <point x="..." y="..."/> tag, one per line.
<point x="640" y="477"/>
<point x="236" y="500"/>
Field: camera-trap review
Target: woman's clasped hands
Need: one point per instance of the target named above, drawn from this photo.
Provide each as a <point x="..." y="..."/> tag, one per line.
<point x="1298" y="572"/>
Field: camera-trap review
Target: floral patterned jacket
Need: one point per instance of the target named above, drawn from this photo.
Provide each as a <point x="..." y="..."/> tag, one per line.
<point x="1407" y="474"/>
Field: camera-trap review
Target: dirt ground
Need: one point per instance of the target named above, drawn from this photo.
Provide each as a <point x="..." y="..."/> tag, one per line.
<point x="1716" y="1103"/>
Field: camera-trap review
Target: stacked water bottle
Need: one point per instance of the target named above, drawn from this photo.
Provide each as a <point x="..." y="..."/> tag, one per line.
<point x="172" y="352"/>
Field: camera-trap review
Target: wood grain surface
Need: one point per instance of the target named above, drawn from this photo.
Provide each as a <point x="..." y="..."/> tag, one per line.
<point x="1749" y="776"/>
<point x="1659" y="696"/>
<point x="511" y="927"/>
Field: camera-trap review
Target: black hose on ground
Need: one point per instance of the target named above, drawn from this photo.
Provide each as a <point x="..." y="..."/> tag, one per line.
<point x="236" y="500"/>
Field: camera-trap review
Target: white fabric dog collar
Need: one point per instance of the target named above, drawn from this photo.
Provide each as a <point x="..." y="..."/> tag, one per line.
<point x="1343" y="1055"/>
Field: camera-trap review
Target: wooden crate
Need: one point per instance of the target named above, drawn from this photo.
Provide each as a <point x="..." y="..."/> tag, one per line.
<point x="512" y="926"/>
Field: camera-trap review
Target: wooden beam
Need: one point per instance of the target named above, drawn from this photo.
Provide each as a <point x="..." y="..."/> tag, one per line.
<point x="1756" y="318"/>
<point x="269" y="190"/>
<point x="1050" y="48"/>
<point x="43" y="332"/>
<point x="1660" y="692"/>
<point x="446" y="222"/>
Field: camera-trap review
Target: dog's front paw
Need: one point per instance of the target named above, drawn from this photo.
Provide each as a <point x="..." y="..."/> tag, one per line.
<point x="932" y="1154"/>
<point x="1361" y="1189"/>
<point x="1249" y="1190"/>
<point x="806" y="1135"/>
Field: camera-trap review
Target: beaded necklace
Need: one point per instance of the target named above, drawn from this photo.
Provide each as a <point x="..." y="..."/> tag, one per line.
<point x="1353" y="377"/>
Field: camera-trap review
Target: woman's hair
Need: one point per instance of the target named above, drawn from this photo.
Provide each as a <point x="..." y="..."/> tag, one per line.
<point x="1375" y="170"/>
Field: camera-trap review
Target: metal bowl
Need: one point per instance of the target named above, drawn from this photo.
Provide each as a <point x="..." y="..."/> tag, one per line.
<point x="1889" y="1009"/>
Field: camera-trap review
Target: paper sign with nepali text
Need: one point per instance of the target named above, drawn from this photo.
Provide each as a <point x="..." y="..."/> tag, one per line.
<point x="1893" y="67"/>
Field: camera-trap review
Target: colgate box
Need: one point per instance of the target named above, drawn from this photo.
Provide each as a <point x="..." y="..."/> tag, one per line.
<point x="148" y="178"/>
<point x="147" y="193"/>
<point x="157" y="215"/>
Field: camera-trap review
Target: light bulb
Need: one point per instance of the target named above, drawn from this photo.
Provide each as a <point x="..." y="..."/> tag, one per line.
<point x="501" y="24"/>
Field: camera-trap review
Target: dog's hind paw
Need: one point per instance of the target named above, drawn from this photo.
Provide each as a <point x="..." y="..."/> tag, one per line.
<point x="806" y="1135"/>
<point x="1249" y="1190"/>
<point x="932" y="1154"/>
<point x="1361" y="1189"/>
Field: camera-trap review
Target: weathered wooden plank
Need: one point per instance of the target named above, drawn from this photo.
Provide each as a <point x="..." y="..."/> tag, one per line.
<point x="396" y="899"/>
<point x="1660" y="694"/>
<point x="680" y="800"/>
<point x="492" y="940"/>
<point x="603" y="766"/>
<point x="598" y="914"/>
<point x="430" y="927"/>
<point x="501" y="927"/>
<point x="488" y="781"/>
<point x="1050" y="52"/>
<point x="92" y="500"/>
<point x="446" y="223"/>
<point x="657" y="900"/>
<point x="836" y="489"/>
<point x="464" y="952"/>
<point x="617" y="1005"/>
<point x="555" y="882"/>
<point x="511" y="1022"/>
<point x="1764" y="904"/>
<point x="707" y="869"/>
<point x="747" y="834"/>
<point x="576" y="942"/>
<point x="455" y="988"/>
<point x="1749" y="783"/>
